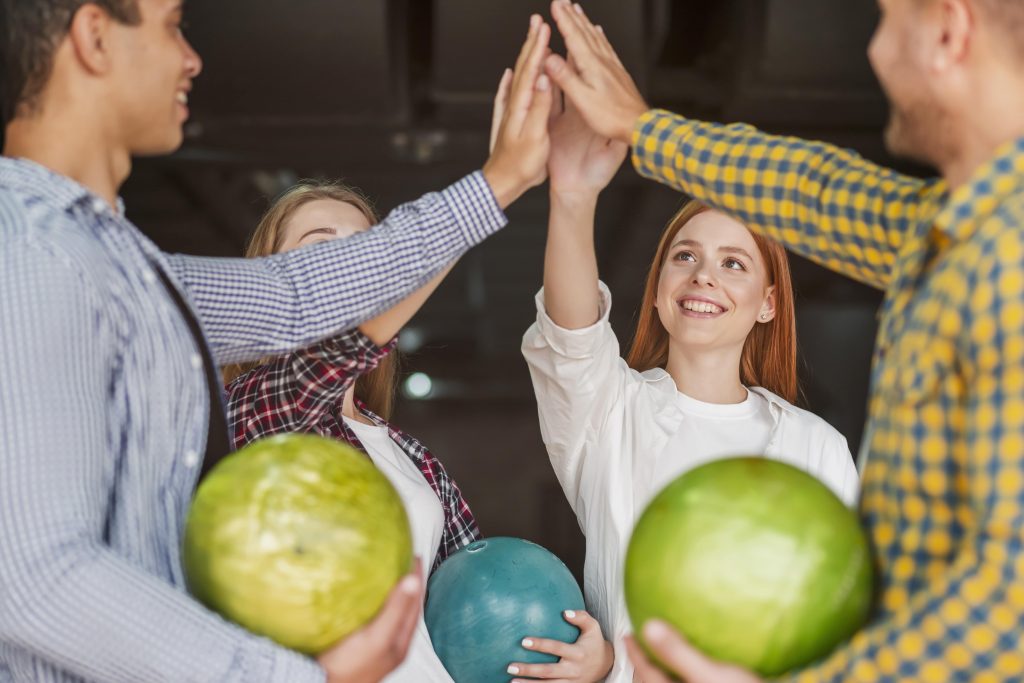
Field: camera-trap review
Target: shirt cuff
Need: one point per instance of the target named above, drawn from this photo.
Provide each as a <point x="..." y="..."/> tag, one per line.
<point x="655" y="143"/>
<point x="579" y="343"/>
<point x="355" y="344"/>
<point x="475" y="207"/>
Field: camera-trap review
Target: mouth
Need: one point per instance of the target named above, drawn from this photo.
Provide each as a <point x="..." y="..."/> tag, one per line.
<point x="700" y="308"/>
<point x="182" y="98"/>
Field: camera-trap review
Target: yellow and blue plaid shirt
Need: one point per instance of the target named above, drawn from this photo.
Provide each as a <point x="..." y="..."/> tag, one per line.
<point x="943" y="489"/>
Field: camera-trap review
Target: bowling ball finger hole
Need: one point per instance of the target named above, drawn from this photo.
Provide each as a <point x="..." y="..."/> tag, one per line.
<point x="476" y="547"/>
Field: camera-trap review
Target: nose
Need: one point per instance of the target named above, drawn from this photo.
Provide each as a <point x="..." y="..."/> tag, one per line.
<point x="703" y="277"/>
<point x="193" y="62"/>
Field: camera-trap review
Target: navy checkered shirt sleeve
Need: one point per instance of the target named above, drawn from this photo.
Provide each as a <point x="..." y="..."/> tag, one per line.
<point x="255" y="308"/>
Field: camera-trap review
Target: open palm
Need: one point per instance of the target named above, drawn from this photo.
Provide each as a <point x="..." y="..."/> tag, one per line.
<point x="581" y="161"/>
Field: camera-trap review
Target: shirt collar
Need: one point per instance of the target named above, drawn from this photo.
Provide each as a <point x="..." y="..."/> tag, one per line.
<point x="776" y="403"/>
<point x="977" y="199"/>
<point x="59" y="191"/>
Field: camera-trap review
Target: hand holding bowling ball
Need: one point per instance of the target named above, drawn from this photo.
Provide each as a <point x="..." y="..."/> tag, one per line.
<point x="486" y="598"/>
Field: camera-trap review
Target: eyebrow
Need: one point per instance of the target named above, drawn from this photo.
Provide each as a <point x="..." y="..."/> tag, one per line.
<point x="728" y="250"/>
<point x="319" y="231"/>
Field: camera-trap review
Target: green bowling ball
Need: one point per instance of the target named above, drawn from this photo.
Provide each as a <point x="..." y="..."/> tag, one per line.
<point x="298" y="538"/>
<point x="754" y="561"/>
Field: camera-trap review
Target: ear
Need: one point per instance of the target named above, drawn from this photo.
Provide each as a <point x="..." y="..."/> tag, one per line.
<point x="90" y="37"/>
<point x="956" y="28"/>
<point x="767" y="312"/>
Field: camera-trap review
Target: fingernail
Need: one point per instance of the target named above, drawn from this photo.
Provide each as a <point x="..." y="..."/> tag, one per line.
<point x="512" y="669"/>
<point x="543" y="83"/>
<point x="579" y="7"/>
<point x="527" y="642"/>
<point x="534" y="20"/>
<point x="600" y="29"/>
<point x="570" y="614"/>
<point x="409" y="584"/>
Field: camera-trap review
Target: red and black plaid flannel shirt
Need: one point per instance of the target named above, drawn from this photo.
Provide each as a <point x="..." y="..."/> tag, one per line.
<point x="303" y="392"/>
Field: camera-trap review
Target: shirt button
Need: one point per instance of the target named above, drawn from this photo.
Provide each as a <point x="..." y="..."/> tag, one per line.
<point x="196" y="360"/>
<point x="148" y="277"/>
<point x="99" y="206"/>
<point x="191" y="459"/>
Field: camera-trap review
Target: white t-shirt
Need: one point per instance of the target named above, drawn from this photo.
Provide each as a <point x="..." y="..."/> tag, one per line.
<point x="708" y="431"/>
<point x="615" y="437"/>
<point x="426" y="517"/>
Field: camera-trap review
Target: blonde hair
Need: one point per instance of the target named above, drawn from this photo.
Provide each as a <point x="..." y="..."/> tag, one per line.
<point x="376" y="388"/>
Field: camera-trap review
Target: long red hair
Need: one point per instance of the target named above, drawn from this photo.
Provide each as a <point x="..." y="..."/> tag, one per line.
<point x="376" y="388"/>
<point x="769" y="353"/>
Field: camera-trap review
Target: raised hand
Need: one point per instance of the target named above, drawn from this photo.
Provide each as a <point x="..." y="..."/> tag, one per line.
<point x="587" y="660"/>
<point x="374" y="651"/>
<point x="596" y="82"/>
<point x="582" y="162"/>
<point x="520" y="143"/>
<point x="686" y="661"/>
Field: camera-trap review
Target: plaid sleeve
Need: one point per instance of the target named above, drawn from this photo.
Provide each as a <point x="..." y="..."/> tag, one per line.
<point x="966" y="623"/>
<point x="825" y="203"/>
<point x="293" y="392"/>
<point x="460" y="527"/>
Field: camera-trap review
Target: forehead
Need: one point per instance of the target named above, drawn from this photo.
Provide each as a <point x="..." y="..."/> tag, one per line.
<point x="321" y="213"/>
<point x="715" y="230"/>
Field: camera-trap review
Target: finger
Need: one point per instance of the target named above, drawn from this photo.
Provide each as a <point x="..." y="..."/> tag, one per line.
<point x="524" y="53"/>
<point x="606" y="46"/>
<point x="500" y="105"/>
<point x="646" y="671"/>
<point x="536" y="124"/>
<point x="588" y="28"/>
<point x="405" y="599"/>
<point x="530" y="85"/>
<point x="549" y="646"/>
<point x="582" y="620"/>
<point x="576" y="39"/>
<point x="546" y="671"/>
<point x="678" y="655"/>
<point x="577" y="93"/>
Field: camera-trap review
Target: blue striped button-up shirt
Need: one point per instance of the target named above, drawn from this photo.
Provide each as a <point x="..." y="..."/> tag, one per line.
<point x="103" y="411"/>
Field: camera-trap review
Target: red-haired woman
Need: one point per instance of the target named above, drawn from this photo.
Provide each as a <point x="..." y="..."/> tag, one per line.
<point x="711" y="372"/>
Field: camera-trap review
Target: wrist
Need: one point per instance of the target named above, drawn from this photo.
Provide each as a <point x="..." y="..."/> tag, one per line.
<point x="574" y="201"/>
<point x="505" y="186"/>
<point x="628" y="123"/>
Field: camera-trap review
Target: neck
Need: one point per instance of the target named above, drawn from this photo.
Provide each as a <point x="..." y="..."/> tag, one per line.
<point x="995" y="117"/>
<point x="712" y="376"/>
<point x="71" y="147"/>
<point x="348" y="408"/>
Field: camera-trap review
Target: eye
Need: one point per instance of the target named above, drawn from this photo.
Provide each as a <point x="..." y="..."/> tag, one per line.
<point x="734" y="264"/>
<point x="684" y="256"/>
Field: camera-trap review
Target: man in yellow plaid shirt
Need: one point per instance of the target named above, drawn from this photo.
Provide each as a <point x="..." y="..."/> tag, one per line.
<point x="943" y="487"/>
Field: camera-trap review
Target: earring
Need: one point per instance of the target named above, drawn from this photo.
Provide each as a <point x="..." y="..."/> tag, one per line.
<point x="764" y="316"/>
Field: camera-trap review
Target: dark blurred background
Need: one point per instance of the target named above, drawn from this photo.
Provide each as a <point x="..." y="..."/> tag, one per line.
<point x="394" y="96"/>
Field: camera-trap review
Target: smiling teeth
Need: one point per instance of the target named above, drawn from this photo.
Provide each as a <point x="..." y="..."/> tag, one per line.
<point x="701" y="306"/>
<point x="183" y="97"/>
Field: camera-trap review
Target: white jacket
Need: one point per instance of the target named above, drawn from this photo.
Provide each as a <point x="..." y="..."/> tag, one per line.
<point x="598" y="417"/>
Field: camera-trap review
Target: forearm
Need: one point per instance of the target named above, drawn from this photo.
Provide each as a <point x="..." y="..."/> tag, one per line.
<point x="823" y="202"/>
<point x="87" y="611"/>
<point x="571" y="294"/>
<point x="253" y="308"/>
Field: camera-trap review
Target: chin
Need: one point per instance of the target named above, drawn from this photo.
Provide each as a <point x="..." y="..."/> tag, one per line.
<point x="158" y="147"/>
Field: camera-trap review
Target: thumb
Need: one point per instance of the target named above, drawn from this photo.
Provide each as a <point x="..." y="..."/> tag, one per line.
<point x="567" y="78"/>
<point x="582" y="620"/>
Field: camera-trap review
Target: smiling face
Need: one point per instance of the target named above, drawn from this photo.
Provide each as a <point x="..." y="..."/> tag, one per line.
<point x="713" y="287"/>
<point x="151" y="78"/>
<point x="321" y="220"/>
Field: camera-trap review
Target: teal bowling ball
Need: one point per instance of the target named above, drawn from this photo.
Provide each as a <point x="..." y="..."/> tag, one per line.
<point x="490" y="595"/>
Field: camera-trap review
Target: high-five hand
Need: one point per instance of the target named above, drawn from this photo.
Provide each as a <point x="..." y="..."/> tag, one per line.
<point x="596" y="81"/>
<point x="520" y="145"/>
<point x="582" y="162"/>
